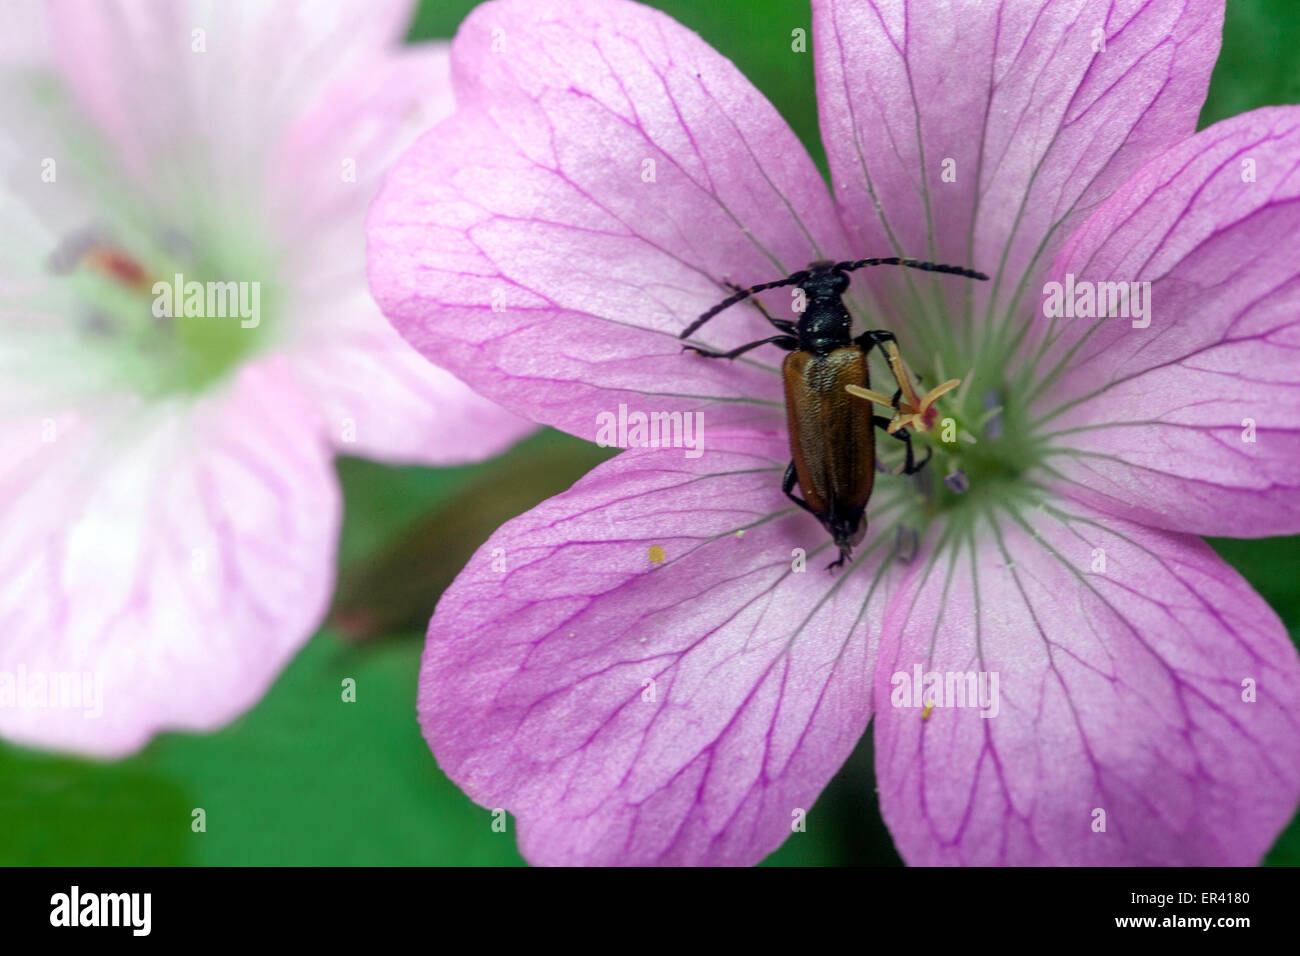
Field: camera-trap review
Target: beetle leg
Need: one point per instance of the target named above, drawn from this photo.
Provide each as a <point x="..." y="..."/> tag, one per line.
<point x="787" y="485"/>
<point x="787" y="342"/>
<point x="838" y="562"/>
<point x="910" y="466"/>
<point x="785" y="325"/>
<point x="876" y="337"/>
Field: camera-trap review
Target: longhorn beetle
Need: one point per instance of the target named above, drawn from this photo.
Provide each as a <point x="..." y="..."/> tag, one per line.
<point x="832" y="443"/>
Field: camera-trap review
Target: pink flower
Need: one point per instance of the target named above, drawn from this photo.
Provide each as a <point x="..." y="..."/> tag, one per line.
<point x="638" y="669"/>
<point x="167" y="492"/>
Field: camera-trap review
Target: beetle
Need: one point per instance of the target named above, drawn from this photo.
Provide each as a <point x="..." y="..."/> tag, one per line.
<point x="832" y="444"/>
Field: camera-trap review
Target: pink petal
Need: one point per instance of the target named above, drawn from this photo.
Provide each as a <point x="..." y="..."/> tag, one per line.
<point x="25" y="39"/>
<point x="330" y="162"/>
<point x="532" y="198"/>
<point x="1120" y="690"/>
<point x="1038" y="126"/>
<point x="207" y="107"/>
<point x="1154" y="422"/>
<point x="533" y="693"/>
<point x="379" y="397"/>
<point x="175" y="557"/>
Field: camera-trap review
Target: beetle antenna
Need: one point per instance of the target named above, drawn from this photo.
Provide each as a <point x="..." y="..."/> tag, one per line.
<point x="910" y="263"/>
<point x="743" y="294"/>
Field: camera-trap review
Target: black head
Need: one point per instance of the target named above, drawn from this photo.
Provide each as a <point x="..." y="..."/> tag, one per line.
<point x="824" y="280"/>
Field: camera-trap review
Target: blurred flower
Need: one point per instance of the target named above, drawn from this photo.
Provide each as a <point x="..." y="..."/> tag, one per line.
<point x="167" y="492"/>
<point x="606" y="174"/>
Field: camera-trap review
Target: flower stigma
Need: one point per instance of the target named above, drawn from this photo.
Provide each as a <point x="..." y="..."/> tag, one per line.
<point x="979" y="463"/>
<point x="146" y="312"/>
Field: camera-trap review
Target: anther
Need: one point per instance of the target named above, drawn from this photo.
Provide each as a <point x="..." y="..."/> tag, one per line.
<point x="957" y="482"/>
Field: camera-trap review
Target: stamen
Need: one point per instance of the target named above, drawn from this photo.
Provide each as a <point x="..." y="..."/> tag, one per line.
<point x="870" y="396"/>
<point x="906" y="544"/>
<point x="910" y="411"/>
<point x="71" y="251"/>
<point x="117" y="265"/>
<point x="92" y="249"/>
<point x="993" y="410"/>
<point x="957" y="482"/>
<point x="902" y="376"/>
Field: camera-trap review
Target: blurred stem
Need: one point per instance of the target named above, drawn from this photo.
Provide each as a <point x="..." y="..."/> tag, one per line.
<point x="394" y="589"/>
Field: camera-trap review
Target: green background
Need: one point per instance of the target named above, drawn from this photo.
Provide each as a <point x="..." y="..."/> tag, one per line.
<point x="306" y="779"/>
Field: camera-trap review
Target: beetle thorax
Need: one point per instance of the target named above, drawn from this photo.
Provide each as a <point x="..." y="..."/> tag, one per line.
<point x="824" y="325"/>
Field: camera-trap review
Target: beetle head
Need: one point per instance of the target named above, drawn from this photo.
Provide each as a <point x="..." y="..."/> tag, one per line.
<point x="824" y="281"/>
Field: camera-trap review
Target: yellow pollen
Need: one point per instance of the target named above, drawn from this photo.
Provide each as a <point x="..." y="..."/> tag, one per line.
<point x="925" y="714"/>
<point x="656" y="553"/>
